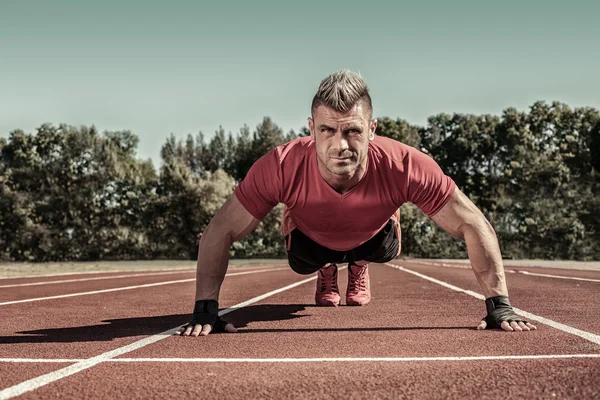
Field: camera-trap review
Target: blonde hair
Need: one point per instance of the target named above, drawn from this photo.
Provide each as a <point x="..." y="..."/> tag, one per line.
<point x="341" y="91"/>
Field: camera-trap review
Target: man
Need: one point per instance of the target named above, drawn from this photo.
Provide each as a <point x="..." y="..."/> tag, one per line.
<point x="342" y="188"/>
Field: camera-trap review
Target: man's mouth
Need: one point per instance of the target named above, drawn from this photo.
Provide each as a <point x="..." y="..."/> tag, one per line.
<point x="343" y="157"/>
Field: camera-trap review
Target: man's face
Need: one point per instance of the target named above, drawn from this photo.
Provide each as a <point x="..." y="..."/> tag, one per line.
<point x="342" y="139"/>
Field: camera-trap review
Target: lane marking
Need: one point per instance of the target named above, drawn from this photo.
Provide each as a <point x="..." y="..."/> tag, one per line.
<point x="94" y="279"/>
<point x="354" y="359"/>
<point x="308" y="360"/>
<point x="236" y="266"/>
<point x="89" y="273"/>
<point x="557" y="325"/>
<point x="555" y="276"/>
<point x="54" y="376"/>
<point x="40" y="360"/>
<point x="112" y="277"/>
<point x="510" y="271"/>
<point x="436" y="264"/>
<point x="516" y="264"/>
<point x="62" y="296"/>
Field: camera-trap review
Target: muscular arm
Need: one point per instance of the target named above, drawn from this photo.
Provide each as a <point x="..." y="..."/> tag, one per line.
<point x="462" y="219"/>
<point x="231" y="223"/>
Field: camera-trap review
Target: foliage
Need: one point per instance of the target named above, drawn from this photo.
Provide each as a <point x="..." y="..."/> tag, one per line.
<point x="70" y="193"/>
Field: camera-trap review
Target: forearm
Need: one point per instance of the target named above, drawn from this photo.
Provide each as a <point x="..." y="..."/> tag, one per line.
<point x="486" y="260"/>
<point x="213" y="259"/>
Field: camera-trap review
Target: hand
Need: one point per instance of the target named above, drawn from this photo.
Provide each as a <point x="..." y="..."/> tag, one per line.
<point x="206" y="320"/>
<point x="500" y="314"/>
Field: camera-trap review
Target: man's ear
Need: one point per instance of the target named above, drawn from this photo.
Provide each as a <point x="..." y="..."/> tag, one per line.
<point x="372" y="129"/>
<point x="311" y="127"/>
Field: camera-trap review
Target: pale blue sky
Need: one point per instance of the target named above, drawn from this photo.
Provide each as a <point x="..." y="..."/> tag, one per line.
<point x="179" y="67"/>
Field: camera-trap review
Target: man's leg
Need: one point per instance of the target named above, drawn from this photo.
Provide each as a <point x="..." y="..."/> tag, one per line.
<point x="306" y="256"/>
<point x="383" y="247"/>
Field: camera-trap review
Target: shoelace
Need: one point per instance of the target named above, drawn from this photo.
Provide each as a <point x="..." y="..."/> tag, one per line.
<point x="358" y="281"/>
<point x="328" y="282"/>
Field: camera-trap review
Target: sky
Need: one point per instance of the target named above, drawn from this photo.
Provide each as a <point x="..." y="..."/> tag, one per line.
<point x="158" y="68"/>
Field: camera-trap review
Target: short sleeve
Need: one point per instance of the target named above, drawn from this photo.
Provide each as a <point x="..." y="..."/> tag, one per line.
<point x="429" y="188"/>
<point x="260" y="190"/>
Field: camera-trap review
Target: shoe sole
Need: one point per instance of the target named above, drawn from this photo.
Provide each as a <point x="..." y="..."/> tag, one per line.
<point x="326" y="303"/>
<point x="357" y="303"/>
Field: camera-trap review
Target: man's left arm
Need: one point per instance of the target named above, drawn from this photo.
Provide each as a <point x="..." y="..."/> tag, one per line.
<point x="462" y="219"/>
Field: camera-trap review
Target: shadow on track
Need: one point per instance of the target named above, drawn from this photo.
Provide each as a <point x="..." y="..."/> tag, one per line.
<point x="106" y="331"/>
<point x="144" y="326"/>
<point x="111" y="329"/>
<point x="279" y="312"/>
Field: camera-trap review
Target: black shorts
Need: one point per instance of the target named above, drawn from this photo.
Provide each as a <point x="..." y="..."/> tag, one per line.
<point x="306" y="256"/>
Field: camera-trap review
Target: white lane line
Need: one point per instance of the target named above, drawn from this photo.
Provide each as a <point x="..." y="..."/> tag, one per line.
<point x="256" y="270"/>
<point x="114" y="277"/>
<point x="510" y="271"/>
<point x="40" y="360"/>
<point x="557" y="325"/>
<point x="62" y="296"/>
<point x="516" y="264"/>
<point x="94" y="279"/>
<point x="54" y="376"/>
<point x="354" y="359"/>
<point x="436" y="264"/>
<point x="245" y="266"/>
<point x="306" y="360"/>
<point x="555" y="276"/>
<point x="89" y="273"/>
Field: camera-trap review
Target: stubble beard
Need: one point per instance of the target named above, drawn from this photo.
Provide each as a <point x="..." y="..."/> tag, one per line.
<point x="342" y="169"/>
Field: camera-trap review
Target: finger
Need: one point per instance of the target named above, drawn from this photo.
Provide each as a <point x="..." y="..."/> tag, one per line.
<point x="516" y="326"/>
<point x="531" y="326"/>
<point x="229" y="328"/>
<point x="523" y="326"/>
<point x="197" y="329"/>
<point x="187" y="330"/>
<point x="205" y="330"/>
<point x="181" y="331"/>
<point x="481" y="325"/>
<point x="506" y="326"/>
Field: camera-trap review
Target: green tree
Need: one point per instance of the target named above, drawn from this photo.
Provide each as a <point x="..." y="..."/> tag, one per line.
<point x="399" y="130"/>
<point x="183" y="207"/>
<point x="72" y="189"/>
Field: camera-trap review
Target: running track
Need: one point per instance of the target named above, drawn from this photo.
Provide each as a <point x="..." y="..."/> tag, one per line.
<point x="109" y="335"/>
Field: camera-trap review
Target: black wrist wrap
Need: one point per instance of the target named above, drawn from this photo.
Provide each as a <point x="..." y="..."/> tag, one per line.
<point x="499" y="309"/>
<point x="206" y="312"/>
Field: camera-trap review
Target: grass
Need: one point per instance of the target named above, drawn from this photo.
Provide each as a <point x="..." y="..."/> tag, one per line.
<point x="8" y="270"/>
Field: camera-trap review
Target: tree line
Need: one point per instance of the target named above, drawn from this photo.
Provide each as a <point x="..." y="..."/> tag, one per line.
<point x="73" y="193"/>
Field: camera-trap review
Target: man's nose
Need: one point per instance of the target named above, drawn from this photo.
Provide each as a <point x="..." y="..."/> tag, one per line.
<point x="341" y="141"/>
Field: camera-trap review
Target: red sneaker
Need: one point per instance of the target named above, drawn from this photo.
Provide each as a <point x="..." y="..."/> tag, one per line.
<point x="358" y="292"/>
<point x="327" y="293"/>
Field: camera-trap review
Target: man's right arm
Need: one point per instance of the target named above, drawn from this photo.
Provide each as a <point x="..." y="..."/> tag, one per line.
<point x="231" y="223"/>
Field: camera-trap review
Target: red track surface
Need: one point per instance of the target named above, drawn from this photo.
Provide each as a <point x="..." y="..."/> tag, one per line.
<point x="409" y="317"/>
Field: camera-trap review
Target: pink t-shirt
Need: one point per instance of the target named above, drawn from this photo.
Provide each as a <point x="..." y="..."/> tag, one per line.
<point x="396" y="174"/>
